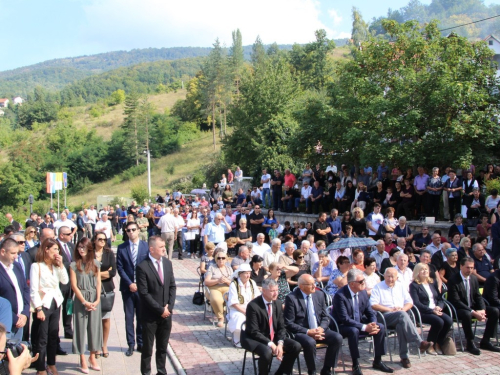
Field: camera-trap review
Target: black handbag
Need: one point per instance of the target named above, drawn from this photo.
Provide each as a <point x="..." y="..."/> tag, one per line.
<point x="198" y="298"/>
<point x="107" y="301"/>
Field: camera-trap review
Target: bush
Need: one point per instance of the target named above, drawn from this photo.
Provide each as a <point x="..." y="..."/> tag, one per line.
<point x="140" y="193"/>
<point x="170" y="169"/>
<point x="133" y="172"/>
<point x="493" y="184"/>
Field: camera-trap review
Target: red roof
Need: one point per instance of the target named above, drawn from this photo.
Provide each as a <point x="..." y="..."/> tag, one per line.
<point x="4" y="100"/>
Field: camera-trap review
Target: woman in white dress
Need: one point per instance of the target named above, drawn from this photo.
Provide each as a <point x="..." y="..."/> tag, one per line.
<point x="241" y="291"/>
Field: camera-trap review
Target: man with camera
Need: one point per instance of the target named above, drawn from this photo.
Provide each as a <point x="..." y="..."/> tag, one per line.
<point x="14" y="358"/>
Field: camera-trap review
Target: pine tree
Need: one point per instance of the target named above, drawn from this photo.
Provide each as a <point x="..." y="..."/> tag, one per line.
<point x="359" y="28"/>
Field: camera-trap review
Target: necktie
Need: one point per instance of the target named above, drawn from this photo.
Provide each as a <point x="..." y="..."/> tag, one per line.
<point x="356" y="308"/>
<point x="134" y="254"/>
<point x="270" y="315"/>
<point x="160" y="272"/>
<point x="68" y="253"/>
<point x="20" y="261"/>
<point x="467" y="290"/>
<point x="311" y="316"/>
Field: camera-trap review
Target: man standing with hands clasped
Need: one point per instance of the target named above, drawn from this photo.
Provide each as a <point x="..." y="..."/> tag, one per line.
<point x="156" y="286"/>
<point x="306" y="317"/>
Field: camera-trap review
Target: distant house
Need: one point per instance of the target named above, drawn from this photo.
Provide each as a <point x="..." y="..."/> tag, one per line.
<point x="17" y="100"/>
<point x="494" y="44"/>
<point x="4" y="103"/>
<point x="2" y="113"/>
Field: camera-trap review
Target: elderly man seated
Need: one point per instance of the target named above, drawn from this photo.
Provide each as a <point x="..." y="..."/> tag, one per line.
<point x="354" y="315"/>
<point x="273" y="254"/>
<point x="405" y="274"/>
<point x="482" y="265"/>
<point x="260" y="247"/>
<point x="392" y="299"/>
<point x="379" y="254"/>
<point x="243" y="257"/>
<point x="241" y="291"/>
<point x="306" y="317"/>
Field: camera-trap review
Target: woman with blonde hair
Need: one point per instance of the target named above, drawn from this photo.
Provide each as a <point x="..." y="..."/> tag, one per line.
<point x="427" y="299"/>
<point x="217" y="280"/>
<point x="358" y="222"/>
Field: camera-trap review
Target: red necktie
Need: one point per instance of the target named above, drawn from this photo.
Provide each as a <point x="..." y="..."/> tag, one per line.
<point x="270" y="315"/>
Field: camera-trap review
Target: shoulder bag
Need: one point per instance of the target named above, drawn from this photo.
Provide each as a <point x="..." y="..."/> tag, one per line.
<point x="107" y="301"/>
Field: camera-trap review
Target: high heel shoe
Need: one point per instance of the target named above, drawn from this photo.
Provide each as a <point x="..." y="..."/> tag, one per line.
<point x="83" y="370"/>
<point x="94" y="368"/>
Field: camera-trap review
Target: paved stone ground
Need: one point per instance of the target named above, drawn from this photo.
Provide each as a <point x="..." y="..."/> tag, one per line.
<point x="202" y="348"/>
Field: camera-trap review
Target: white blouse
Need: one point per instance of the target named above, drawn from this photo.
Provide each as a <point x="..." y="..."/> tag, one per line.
<point x="44" y="285"/>
<point x="431" y="296"/>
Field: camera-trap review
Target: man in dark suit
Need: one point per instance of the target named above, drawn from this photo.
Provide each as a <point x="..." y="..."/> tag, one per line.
<point x="14" y="288"/>
<point x="265" y="333"/>
<point x="491" y="290"/>
<point x="128" y="256"/>
<point x="463" y="294"/>
<point x="306" y="317"/>
<point x="495" y="237"/>
<point x="156" y="287"/>
<point x="68" y="249"/>
<point x="355" y="316"/>
<point x="17" y="226"/>
<point x="24" y="260"/>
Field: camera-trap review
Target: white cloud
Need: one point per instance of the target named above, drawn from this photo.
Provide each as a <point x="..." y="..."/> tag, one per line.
<point x="335" y="16"/>
<point x="341" y="35"/>
<point x="126" y="24"/>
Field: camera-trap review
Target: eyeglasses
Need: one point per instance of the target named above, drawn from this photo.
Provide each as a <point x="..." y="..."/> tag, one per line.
<point x="360" y="282"/>
<point x="220" y="258"/>
<point x="301" y="257"/>
<point x="21" y="242"/>
<point x="66" y="234"/>
<point x="131" y="230"/>
<point x="100" y="239"/>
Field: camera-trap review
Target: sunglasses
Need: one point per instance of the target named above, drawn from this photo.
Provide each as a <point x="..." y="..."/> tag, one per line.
<point x="66" y="234"/>
<point x="32" y="231"/>
<point x="219" y="258"/>
<point x="301" y="257"/>
<point x="360" y="282"/>
<point x="131" y="230"/>
<point x="21" y="242"/>
<point x="100" y="239"/>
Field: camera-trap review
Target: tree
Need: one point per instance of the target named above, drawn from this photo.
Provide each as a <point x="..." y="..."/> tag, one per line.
<point x="419" y="99"/>
<point x="258" y="55"/>
<point x="132" y="126"/>
<point x="359" y="28"/>
<point x="117" y="97"/>
<point x="237" y="59"/>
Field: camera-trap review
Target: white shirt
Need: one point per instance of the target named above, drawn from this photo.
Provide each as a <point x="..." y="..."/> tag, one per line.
<point x="42" y="279"/>
<point x="13" y="278"/>
<point x="106" y="225"/>
<point x="266" y="185"/>
<point x="305" y="192"/>
<point x="167" y="223"/>
<point x="397" y="296"/>
<point x="270" y="257"/>
<point x="332" y="168"/>
<point x="92" y="216"/>
<point x="431" y="296"/>
<point x="405" y="277"/>
<point x="60" y="223"/>
<point x="260" y="249"/>
<point x="376" y="220"/>
<point x="155" y="263"/>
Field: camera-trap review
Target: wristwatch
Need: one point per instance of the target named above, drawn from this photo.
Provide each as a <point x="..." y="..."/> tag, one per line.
<point x="38" y="309"/>
<point x="281" y="342"/>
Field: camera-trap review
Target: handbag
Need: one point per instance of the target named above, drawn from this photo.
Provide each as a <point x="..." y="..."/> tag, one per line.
<point x="69" y="306"/>
<point x="107" y="301"/>
<point x="198" y="298"/>
<point x="381" y="230"/>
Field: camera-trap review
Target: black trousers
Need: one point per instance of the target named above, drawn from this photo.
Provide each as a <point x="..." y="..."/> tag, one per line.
<point x="45" y="336"/>
<point x="194" y="244"/>
<point x="132" y="307"/>
<point x="440" y="326"/>
<point x="334" y="342"/>
<point x="291" y="349"/>
<point x="454" y="206"/>
<point x="434" y="205"/>
<point x="420" y="201"/>
<point x="160" y="330"/>
<point x="491" y="323"/>
<point x="352" y="334"/>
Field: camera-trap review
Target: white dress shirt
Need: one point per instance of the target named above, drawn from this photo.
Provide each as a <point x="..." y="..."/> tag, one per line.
<point x="397" y="296"/>
<point x="405" y="277"/>
<point x="13" y="278"/>
<point x="155" y="264"/>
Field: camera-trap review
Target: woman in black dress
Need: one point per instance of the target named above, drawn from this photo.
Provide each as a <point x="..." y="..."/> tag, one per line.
<point x="214" y="194"/>
<point x="108" y="271"/>
<point x="242" y="234"/>
<point x="358" y="222"/>
<point x="391" y="261"/>
<point x="450" y="267"/>
<point x="258" y="272"/>
<point x="303" y="267"/>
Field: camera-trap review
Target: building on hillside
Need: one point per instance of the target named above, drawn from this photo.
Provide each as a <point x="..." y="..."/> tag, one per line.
<point x="4" y="103"/>
<point x="17" y="100"/>
<point x="494" y="44"/>
<point x="2" y="113"/>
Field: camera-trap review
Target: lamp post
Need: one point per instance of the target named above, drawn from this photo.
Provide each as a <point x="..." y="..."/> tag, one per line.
<point x="31" y="199"/>
<point x="149" y="172"/>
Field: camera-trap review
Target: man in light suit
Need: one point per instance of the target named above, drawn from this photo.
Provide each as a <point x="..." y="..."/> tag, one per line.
<point x="306" y="317"/>
<point x="156" y="287"/>
<point x="64" y="238"/>
<point x="354" y="315"/>
<point x="13" y="287"/>
<point x="265" y="333"/>
<point x="128" y="256"/>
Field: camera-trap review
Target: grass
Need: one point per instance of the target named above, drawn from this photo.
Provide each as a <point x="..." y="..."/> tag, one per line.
<point x="191" y="157"/>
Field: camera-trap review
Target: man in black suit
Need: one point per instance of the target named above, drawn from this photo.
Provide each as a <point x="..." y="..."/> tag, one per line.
<point x="14" y="288"/>
<point x="463" y="294"/>
<point x="355" y="316"/>
<point x="24" y="260"/>
<point x="491" y="290"/>
<point x="306" y="317"/>
<point x="68" y="250"/>
<point x="17" y="226"/>
<point x="156" y="287"/>
<point x="128" y="256"/>
<point x="265" y="333"/>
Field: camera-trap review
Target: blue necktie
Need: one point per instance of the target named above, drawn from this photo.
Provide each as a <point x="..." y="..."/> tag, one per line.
<point x="356" y="308"/>
<point x="311" y="316"/>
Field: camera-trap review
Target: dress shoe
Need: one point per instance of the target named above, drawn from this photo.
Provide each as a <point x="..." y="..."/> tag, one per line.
<point x="489" y="346"/>
<point x="130" y="351"/>
<point x="382" y="367"/>
<point x="405" y="362"/>
<point x="60" y="351"/>
<point x="424" y="345"/>
<point x="356" y="370"/>
<point x="472" y="348"/>
<point x="327" y="372"/>
<point x="139" y="348"/>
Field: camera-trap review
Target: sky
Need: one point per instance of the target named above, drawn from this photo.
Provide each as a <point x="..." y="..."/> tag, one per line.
<point x="35" y="31"/>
